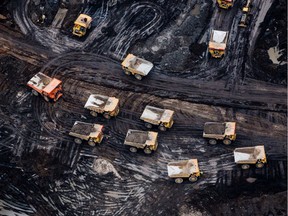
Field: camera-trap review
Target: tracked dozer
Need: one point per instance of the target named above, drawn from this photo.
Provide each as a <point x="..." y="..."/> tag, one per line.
<point x="136" y="66"/>
<point x="218" y="43"/>
<point x="49" y="88"/>
<point x="81" y="24"/>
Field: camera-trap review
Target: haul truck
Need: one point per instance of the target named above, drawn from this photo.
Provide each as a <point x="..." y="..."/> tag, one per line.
<point x="136" y="66"/>
<point x="146" y="140"/>
<point x="250" y="155"/>
<point x="218" y="43"/>
<point x="184" y="169"/>
<point x="226" y="4"/>
<point x="108" y="106"/>
<point x="49" y="88"/>
<point x="82" y="23"/>
<point x="163" y="118"/>
<point x="220" y="131"/>
<point x="87" y="131"/>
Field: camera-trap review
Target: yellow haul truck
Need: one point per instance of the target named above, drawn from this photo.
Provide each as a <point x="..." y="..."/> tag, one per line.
<point x="245" y="16"/>
<point x="226" y="4"/>
<point x="184" y="169"/>
<point x="218" y="43"/>
<point x="163" y="118"/>
<point x="146" y="140"/>
<point x="108" y="106"/>
<point x="220" y="131"/>
<point x="136" y="66"/>
<point x="82" y="23"/>
<point x="87" y="131"/>
<point x="250" y="155"/>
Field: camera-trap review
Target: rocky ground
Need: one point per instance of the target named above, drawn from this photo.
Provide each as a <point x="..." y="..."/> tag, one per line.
<point x="43" y="172"/>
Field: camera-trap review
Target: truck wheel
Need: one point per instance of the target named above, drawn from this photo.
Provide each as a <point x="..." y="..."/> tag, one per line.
<point x="34" y="92"/>
<point x="227" y="141"/>
<point x="46" y="98"/>
<point x="148" y="125"/>
<point x="193" y="178"/>
<point x="147" y="150"/>
<point x="259" y="165"/>
<point x="178" y="180"/>
<point x="138" y="77"/>
<point x="93" y="113"/>
<point x="212" y="142"/>
<point x="106" y="115"/>
<point x="77" y="140"/>
<point x="133" y="149"/>
<point x="128" y="73"/>
<point x="162" y="128"/>
<point x="245" y="166"/>
<point x="91" y="142"/>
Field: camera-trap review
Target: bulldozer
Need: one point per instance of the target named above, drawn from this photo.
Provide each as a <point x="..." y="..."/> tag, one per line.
<point x="245" y="16"/>
<point x="226" y="4"/>
<point x="92" y="133"/>
<point x="218" y="42"/>
<point x="220" y="131"/>
<point x="108" y="106"/>
<point x="250" y="155"/>
<point x="146" y="140"/>
<point x="136" y="66"/>
<point x="184" y="169"/>
<point x="82" y="23"/>
<point x="49" y="88"/>
<point x="163" y="118"/>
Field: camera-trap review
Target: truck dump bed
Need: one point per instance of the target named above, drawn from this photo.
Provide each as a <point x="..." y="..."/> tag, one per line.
<point x="140" y="139"/>
<point x="139" y="64"/>
<point x="249" y="154"/>
<point x="219" y="128"/>
<point x="83" y="20"/>
<point x="41" y="82"/>
<point x="85" y="130"/>
<point x="156" y="115"/>
<point x="183" y="168"/>
<point x="218" y="39"/>
<point x="101" y="103"/>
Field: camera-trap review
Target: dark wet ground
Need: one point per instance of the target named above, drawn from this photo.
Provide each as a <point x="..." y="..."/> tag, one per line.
<point x="43" y="172"/>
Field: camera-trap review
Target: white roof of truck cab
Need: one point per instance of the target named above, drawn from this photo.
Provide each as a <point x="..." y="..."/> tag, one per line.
<point x="182" y="168"/>
<point x="139" y="64"/>
<point x="157" y="114"/>
<point x="230" y="128"/>
<point x="101" y="102"/>
<point x="249" y="154"/>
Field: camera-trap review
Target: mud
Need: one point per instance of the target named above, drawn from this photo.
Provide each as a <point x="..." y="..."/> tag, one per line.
<point x="43" y="172"/>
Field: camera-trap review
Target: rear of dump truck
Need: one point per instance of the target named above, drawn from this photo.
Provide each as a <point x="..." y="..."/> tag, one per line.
<point x="225" y="4"/>
<point x="218" y="43"/>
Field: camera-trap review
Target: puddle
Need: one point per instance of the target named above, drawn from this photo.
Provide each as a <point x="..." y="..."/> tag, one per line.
<point x="274" y="53"/>
<point x="196" y="10"/>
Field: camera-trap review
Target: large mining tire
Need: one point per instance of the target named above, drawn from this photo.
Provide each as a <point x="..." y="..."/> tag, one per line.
<point x="91" y="142"/>
<point x="212" y="141"/>
<point x="147" y="150"/>
<point x="138" y="76"/>
<point x="162" y="128"/>
<point x="106" y="115"/>
<point x="77" y="140"/>
<point x="93" y="113"/>
<point x="245" y="166"/>
<point x="148" y="125"/>
<point x="259" y="165"/>
<point x="193" y="178"/>
<point x="133" y="149"/>
<point x="178" y="180"/>
<point x="227" y="141"/>
<point x="34" y="92"/>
